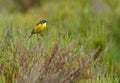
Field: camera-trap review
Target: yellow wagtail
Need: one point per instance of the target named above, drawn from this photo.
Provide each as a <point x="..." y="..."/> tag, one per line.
<point x="39" y="28"/>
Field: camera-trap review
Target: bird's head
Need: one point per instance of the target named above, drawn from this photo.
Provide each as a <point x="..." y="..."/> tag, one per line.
<point x="43" y="21"/>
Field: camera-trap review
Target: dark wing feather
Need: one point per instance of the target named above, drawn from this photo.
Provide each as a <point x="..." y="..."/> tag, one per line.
<point x="38" y="23"/>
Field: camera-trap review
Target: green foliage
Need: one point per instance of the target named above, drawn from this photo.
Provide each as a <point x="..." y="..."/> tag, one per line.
<point x="79" y="45"/>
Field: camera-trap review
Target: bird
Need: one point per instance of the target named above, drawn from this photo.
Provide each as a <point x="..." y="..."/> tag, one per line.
<point x="39" y="28"/>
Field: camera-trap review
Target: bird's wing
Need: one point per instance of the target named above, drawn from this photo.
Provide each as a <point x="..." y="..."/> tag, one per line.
<point x="37" y="23"/>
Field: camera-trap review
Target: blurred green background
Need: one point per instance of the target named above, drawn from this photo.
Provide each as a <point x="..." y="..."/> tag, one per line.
<point x="91" y="23"/>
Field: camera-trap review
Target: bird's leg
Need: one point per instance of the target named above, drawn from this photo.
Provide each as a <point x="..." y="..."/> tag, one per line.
<point x="38" y="37"/>
<point x="41" y="34"/>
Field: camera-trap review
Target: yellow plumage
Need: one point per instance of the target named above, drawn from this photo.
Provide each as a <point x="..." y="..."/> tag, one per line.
<point x="39" y="28"/>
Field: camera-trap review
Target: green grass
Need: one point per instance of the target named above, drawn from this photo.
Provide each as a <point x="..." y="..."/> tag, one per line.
<point x="79" y="45"/>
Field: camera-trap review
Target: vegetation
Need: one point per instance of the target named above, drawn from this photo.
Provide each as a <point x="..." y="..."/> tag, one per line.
<point x="80" y="45"/>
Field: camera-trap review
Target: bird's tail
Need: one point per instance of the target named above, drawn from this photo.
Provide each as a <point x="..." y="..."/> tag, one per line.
<point x="30" y="36"/>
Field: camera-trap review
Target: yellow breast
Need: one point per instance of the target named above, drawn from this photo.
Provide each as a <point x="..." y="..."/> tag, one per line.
<point x="40" y="28"/>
